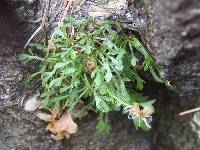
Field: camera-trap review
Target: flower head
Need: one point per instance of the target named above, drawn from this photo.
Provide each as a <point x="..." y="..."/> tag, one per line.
<point x="145" y="114"/>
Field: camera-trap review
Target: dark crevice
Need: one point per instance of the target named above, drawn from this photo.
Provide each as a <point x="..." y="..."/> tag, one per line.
<point x="12" y="33"/>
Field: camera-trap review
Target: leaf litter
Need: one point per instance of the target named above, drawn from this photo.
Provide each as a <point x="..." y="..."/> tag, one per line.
<point x="61" y="126"/>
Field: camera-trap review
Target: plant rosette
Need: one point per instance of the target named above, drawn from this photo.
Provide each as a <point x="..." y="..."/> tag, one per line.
<point x="95" y="68"/>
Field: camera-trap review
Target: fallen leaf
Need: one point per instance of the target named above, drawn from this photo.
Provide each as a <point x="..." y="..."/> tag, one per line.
<point x="50" y="127"/>
<point x="67" y="135"/>
<point x="58" y="137"/>
<point x="62" y="127"/>
<point x="44" y="116"/>
<point x="65" y="123"/>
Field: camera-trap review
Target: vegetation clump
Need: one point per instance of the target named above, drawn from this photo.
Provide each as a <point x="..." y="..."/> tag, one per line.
<point x="90" y="65"/>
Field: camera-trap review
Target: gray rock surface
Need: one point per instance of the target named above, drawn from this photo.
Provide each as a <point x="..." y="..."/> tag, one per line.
<point x="170" y="29"/>
<point x="20" y="130"/>
<point x="174" y="38"/>
<point x="175" y="34"/>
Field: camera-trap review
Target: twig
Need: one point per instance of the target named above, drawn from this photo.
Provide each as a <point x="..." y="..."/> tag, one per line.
<point x="189" y="111"/>
<point x="32" y="36"/>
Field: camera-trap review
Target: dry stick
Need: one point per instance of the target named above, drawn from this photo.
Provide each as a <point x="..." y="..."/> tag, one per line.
<point x="33" y="35"/>
<point x="189" y="111"/>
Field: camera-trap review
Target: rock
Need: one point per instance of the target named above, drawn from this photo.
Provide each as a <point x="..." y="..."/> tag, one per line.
<point x="173" y="37"/>
<point x="11" y="75"/>
<point x="170" y="31"/>
<point x="22" y="130"/>
<point x="32" y="103"/>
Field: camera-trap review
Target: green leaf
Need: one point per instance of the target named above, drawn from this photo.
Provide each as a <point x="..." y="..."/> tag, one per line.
<point x="148" y="103"/>
<point x="64" y="89"/>
<point x="103" y="125"/>
<point x="123" y="94"/>
<point x="108" y="75"/>
<point x="109" y="44"/>
<point x="139" y="81"/>
<point x="61" y="65"/>
<point x="68" y="71"/>
<point x="58" y="31"/>
<point x="139" y="123"/>
<point x="134" y="60"/>
<point x="26" y="58"/>
<point x="101" y="104"/>
<point x="99" y="79"/>
<point x="117" y="63"/>
<point x="56" y="82"/>
<point x="73" y="54"/>
<point x="23" y="57"/>
<point x="139" y="98"/>
<point x="158" y="79"/>
<point x="73" y="99"/>
<point x="47" y="102"/>
<point x="136" y="43"/>
<point x="87" y="48"/>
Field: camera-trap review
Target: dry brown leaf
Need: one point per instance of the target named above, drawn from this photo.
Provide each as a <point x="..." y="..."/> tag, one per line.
<point x="50" y="127"/>
<point x="63" y="127"/>
<point x="58" y="137"/>
<point x="44" y="116"/>
<point x="67" y="135"/>
<point x="65" y="123"/>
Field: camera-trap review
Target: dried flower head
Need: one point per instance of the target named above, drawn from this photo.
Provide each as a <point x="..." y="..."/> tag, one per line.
<point x="144" y="114"/>
<point x="90" y="66"/>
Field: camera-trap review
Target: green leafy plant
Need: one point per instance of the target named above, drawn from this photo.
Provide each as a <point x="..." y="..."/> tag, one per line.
<point x="92" y="65"/>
